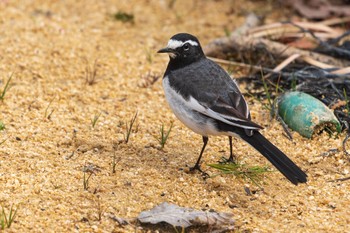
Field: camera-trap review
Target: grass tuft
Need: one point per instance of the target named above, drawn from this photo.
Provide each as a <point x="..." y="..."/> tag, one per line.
<point x="242" y="171"/>
<point x="91" y="72"/>
<point x="6" y="220"/>
<point x="124" y="17"/>
<point x="2" y="126"/>
<point x="4" y="91"/>
<point x="268" y="106"/>
<point x="99" y="208"/>
<point x="148" y="79"/>
<point x="164" y="135"/>
<point x="95" y="119"/>
<point x="294" y="83"/>
<point x="86" y="179"/>
<point x="271" y="102"/>
<point x="88" y="171"/>
<point x="129" y="128"/>
<point x="227" y="31"/>
<point x="47" y="113"/>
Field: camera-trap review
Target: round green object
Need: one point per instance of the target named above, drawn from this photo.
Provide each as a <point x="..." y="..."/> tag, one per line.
<point x="306" y="114"/>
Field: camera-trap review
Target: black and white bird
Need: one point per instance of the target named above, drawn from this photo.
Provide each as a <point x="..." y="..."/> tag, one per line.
<point x="207" y="100"/>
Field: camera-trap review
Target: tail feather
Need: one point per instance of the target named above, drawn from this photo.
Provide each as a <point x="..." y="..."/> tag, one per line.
<point x="286" y="166"/>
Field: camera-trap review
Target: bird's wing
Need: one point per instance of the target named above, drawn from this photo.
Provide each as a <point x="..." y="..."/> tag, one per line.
<point x="239" y="103"/>
<point x="234" y="113"/>
<point x="212" y="92"/>
<point x="220" y="110"/>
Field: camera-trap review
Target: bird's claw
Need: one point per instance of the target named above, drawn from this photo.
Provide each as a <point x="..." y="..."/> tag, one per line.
<point x="198" y="168"/>
<point x="231" y="159"/>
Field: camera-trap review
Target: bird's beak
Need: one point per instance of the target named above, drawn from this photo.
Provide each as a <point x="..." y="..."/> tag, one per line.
<point x="166" y="50"/>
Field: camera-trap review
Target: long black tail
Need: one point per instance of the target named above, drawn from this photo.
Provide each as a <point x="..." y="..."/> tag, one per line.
<point x="286" y="166"/>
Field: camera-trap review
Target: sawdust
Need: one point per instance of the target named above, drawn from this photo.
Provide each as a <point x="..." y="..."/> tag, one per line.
<point x="49" y="45"/>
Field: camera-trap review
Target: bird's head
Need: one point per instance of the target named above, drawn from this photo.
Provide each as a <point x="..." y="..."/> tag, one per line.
<point x="183" y="47"/>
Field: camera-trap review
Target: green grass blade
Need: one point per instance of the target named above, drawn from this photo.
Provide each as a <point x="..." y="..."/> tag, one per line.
<point x="2" y="95"/>
<point x="129" y="128"/>
<point x="95" y="119"/>
<point x="242" y="171"/>
<point x="11" y="216"/>
<point x="164" y="136"/>
<point x="7" y="220"/>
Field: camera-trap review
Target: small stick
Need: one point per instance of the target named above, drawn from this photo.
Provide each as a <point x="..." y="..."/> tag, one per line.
<point x="340" y="179"/>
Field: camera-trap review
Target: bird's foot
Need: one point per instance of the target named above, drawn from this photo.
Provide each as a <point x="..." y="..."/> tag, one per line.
<point x="198" y="168"/>
<point x="231" y="159"/>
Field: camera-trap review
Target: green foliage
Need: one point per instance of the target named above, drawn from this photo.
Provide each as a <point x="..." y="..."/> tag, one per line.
<point x="124" y="17"/>
<point x="227" y="31"/>
<point x="95" y="119"/>
<point x="164" y="135"/>
<point x="129" y="128"/>
<point x="2" y="94"/>
<point x="2" y="126"/>
<point x="294" y="83"/>
<point x="6" y="220"/>
<point x="268" y="95"/>
<point x="271" y="104"/>
<point x="242" y="171"/>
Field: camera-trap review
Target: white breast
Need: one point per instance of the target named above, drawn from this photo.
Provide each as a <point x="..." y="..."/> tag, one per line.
<point x="194" y="120"/>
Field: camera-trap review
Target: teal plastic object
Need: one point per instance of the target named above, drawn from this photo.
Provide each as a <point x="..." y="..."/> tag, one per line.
<point x="306" y="114"/>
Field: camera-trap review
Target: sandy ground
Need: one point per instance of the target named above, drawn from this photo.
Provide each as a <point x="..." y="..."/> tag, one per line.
<point x="47" y="113"/>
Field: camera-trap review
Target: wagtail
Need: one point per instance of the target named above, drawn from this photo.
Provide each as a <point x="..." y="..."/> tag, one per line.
<point x="208" y="101"/>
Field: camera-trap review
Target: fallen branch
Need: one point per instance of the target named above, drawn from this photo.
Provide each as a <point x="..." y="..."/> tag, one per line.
<point x="221" y="46"/>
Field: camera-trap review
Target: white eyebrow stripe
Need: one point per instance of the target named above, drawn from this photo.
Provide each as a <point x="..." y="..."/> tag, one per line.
<point x="174" y="44"/>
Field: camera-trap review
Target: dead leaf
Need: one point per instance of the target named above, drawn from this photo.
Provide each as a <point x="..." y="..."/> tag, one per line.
<point x="186" y="217"/>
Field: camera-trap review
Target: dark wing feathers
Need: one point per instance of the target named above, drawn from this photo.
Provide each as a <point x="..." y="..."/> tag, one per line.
<point x="233" y="114"/>
<point x="213" y="88"/>
<point x="239" y="103"/>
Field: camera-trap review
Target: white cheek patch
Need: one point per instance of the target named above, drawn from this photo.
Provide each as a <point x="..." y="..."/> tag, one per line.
<point x="172" y="55"/>
<point x="174" y="44"/>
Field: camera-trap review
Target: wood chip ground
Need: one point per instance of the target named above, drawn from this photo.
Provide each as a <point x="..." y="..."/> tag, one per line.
<point x="50" y="45"/>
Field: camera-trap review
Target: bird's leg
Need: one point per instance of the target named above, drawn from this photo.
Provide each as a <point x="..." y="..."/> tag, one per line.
<point x="197" y="166"/>
<point x="232" y="158"/>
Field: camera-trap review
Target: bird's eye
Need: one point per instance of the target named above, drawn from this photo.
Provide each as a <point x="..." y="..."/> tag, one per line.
<point x="186" y="47"/>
